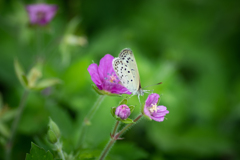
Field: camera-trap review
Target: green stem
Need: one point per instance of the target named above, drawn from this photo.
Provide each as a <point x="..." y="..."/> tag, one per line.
<point x="115" y="128"/>
<point x="59" y="150"/>
<point x="107" y="149"/>
<point x="115" y="137"/>
<point x="86" y="121"/>
<point x="15" y="124"/>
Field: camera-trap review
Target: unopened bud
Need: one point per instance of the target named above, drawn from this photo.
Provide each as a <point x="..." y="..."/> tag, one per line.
<point x="54" y="128"/>
<point x="51" y="137"/>
<point x="123" y="111"/>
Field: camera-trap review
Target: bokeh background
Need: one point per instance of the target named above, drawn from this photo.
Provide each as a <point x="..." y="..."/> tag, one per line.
<point x="192" y="46"/>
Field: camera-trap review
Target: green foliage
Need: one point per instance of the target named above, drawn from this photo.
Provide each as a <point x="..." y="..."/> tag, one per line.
<point x="37" y="153"/>
<point x="190" y="46"/>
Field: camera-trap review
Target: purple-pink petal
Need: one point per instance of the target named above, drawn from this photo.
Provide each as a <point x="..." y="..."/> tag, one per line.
<point x="93" y="71"/>
<point x="154" y="112"/>
<point x="160" y="119"/>
<point x="105" y="77"/>
<point x="152" y="99"/>
<point x="123" y="111"/>
<point x="105" y="66"/>
<point x="41" y="14"/>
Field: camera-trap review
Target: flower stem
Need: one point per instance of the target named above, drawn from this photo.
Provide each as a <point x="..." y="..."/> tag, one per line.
<point x="15" y="124"/>
<point x="115" y="128"/>
<point x="107" y="149"/>
<point x="115" y="137"/>
<point x="59" y="150"/>
<point x="88" y="117"/>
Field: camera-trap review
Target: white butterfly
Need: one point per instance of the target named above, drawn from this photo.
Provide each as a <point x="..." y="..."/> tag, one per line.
<point x="126" y="69"/>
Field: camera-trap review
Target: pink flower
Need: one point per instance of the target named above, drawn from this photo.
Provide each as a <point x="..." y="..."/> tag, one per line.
<point x="153" y="111"/>
<point x="123" y="111"/>
<point x="41" y="14"/>
<point x="105" y="77"/>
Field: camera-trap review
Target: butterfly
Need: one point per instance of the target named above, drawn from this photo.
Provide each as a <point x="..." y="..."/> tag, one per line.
<point x="126" y="69"/>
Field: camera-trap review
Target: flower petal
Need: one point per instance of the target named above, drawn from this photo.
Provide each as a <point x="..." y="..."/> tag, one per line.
<point x="152" y="99"/>
<point x="105" y="66"/>
<point x="146" y="112"/>
<point x="93" y="71"/>
<point x="160" y="119"/>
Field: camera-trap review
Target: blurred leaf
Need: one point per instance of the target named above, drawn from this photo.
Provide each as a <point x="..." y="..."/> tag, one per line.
<point x="126" y="151"/>
<point x="42" y="84"/>
<point x="124" y="101"/>
<point x="8" y="115"/>
<point x="33" y="76"/>
<point x="113" y="110"/>
<point x="4" y="130"/>
<point x="131" y="108"/>
<point x="37" y="153"/>
<point x="87" y="154"/>
<point x="20" y="73"/>
<point x="1" y="102"/>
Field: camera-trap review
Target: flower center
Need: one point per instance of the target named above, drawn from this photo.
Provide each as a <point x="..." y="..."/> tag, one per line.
<point x="41" y="15"/>
<point x="153" y="108"/>
<point x="112" y="78"/>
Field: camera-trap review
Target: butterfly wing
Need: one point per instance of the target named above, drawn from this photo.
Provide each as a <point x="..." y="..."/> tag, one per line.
<point x="126" y="69"/>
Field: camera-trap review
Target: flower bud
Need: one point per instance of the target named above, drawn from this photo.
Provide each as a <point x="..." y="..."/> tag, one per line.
<point x="123" y="111"/>
<point x="51" y="137"/>
<point x="54" y="128"/>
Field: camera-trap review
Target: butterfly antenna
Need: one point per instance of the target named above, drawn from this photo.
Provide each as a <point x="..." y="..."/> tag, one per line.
<point x="153" y="85"/>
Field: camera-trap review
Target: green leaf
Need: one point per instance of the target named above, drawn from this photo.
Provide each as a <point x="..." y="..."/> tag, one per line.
<point x="1" y="102"/>
<point x="47" y="83"/>
<point x="128" y="120"/>
<point x="4" y="130"/>
<point x="102" y="92"/>
<point x="97" y="90"/>
<point x="37" y="153"/>
<point x="113" y="109"/>
<point x="127" y="150"/>
<point x="20" y="73"/>
<point x="131" y="108"/>
<point x="8" y="115"/>
<point x="147" y="117"/>
<point x="124" y="101"/>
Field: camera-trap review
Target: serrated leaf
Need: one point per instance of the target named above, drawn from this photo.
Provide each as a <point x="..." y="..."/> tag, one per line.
<point x="113" y="109"/>
<point x="124" y="101"/>
<point x="47" y="83"/>
<point x="128" y="120"/>
<point x="131" y="108"/>
<point x="37" y="153"/>
<point x="20" y="73"/>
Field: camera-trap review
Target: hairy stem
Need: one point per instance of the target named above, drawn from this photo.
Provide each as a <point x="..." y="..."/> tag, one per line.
<point x="87" y="119"/>
<point x="115" y="137"/>
<point x="115" y="128"/>
<point x="15" y="124"/>
<point x="59" y="150"/>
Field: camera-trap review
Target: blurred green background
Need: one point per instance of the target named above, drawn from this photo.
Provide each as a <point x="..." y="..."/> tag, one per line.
<point x="192" y="46"/>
